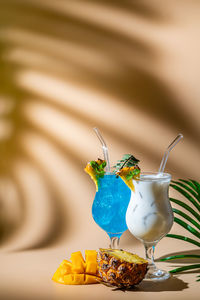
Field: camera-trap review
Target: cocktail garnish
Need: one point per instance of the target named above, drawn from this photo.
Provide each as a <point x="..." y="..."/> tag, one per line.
<point x="95" y="169"/>
<point x="133" y="173"/>
<point x="128" y="160"/>
<point x="128" y="169"/>
<point x="127" y="174"/>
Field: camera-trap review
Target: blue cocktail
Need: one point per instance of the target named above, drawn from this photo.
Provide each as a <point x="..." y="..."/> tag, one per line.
<point x="110" y="205"/>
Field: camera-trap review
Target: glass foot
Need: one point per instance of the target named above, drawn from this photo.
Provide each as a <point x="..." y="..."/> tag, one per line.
<point x="154" y="273"/>
<point x="157" y="275"/>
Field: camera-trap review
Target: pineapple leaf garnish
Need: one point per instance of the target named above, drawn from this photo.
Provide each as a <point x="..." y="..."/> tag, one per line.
<point x="190" y="189"/>
<point x="128" y="160"/>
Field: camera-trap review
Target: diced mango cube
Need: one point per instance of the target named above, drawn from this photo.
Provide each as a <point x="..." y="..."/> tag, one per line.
<point x="91" y="268"/>
<point x="91" y="261"/>
<point x="89" y="279"/>
<point x="91" y="254"/>
<point x="78" y="263"/>
<point x="57" y="277"/>
<point x="65" y="267"/>
<point x="78" y="271"/>
<point x="74" y="279"/>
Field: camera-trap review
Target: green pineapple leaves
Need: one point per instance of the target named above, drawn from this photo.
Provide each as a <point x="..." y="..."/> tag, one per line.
<point x="128" y="160"/>
<point x="190" y="189"/>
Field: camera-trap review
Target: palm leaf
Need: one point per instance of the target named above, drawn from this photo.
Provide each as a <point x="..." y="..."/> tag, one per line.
<point x="187" y="227"/>
<point x="194" y="193"/>
<point x="184" y="238"/>
<point x="190" y="189"/>
<point x="197" y="184"/>
<point x="185" y="268"/>
<point x="180" y="256"/>
<point x="185" y="216"/>
<point x="187" y="207"/>
<point x="190" y="183"/>
<point x="184" y="193"/>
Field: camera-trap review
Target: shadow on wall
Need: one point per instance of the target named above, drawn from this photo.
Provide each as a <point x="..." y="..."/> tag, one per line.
<point x="46" y="48"/>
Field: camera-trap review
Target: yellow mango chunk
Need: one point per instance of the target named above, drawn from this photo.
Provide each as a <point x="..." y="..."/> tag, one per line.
<point x="91" y="268"/>
<point x="91" y="255"/>
<point x="58" y="277"/>
<point x="65" y="267"/>
<point x="89" y="279"/>
<point x="74" y="279"/>
<point x="91" y="261"/>
<point x="78" y="263"/>
<point x="78" y="271"/>
<point x="79" y="279"/>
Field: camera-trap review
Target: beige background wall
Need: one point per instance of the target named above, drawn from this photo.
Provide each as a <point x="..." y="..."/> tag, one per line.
<point x="131" y="68"/>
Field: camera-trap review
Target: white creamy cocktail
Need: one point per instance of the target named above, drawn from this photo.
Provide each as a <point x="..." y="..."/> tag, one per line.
<point x="149" y="216"/>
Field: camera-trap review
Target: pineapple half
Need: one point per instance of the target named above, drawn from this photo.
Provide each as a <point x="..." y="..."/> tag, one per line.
<point x="120" y="268"/>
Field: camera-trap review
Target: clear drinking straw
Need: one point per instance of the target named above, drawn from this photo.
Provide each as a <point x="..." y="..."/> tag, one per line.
<point x="104" y="147"/>
<point x="166" y="154"/>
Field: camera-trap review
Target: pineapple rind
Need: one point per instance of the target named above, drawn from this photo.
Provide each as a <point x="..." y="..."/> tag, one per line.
<point x="116" y="269"/>
<point x="124" y="255"/>
<point x="88" y="169"/>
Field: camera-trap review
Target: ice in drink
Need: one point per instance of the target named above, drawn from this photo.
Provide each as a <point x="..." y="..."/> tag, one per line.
<point x="149" y="215"/>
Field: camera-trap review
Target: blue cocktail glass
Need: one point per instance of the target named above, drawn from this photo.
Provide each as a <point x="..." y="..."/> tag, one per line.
<point x="110" y="205"/>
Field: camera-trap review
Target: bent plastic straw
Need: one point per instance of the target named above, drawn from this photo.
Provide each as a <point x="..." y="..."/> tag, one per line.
<point x="166" y="154"/>
<point x="104" y="147"/>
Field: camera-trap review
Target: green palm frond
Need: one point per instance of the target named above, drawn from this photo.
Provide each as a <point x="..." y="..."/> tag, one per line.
<point x="185" y="268"/>
<point x="197" y="185"/>
<point x="190" y="189"/>
<point x="184" y="238"/>
<point x="187" y="207"/>
<point x="185" y="216"/>
<point x="189" y="183"/>
<point x="186" y="194"/>
<point x="187" y="227"/>
<point x="180" y="256"/>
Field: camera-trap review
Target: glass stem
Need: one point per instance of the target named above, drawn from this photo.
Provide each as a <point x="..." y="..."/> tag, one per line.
<point x="149" y="252"/>
<point x="114" y="242"/>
